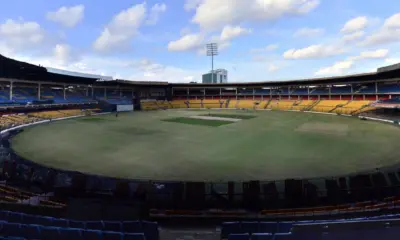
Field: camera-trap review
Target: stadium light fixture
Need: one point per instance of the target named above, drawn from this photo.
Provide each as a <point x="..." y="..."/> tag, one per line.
<point x="212" y="50"/>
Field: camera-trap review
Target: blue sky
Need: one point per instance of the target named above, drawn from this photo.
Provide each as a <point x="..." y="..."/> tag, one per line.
<point x="259" y="40"/>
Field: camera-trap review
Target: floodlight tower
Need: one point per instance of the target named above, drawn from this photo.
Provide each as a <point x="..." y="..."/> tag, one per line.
<point x="212" y="50"/>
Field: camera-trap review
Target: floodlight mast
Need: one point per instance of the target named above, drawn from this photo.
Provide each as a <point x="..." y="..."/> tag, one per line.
<point x="212" y="50"/>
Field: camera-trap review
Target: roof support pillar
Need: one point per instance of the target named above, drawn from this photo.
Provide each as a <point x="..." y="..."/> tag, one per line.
<point x="92" y="91"/>
<point x="39" y="90"/>
<point x="87" y="91"/>
<point x="352" y="94"/>
<point x="105" y="92"/>
<point x="11" y="90"/>
<point x="65" y="97"/>
<point x="254" y="93"/>
<point x="308" y="92"/>
<point x="330" y="96"/>
<point x="236" y="95"/>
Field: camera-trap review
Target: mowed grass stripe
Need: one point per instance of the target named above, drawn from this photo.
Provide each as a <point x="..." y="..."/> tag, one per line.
<point x="194" y="121"/>
<point x="237" y="116"/>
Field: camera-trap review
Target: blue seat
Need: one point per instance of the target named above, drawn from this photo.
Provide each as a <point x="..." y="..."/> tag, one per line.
<point x="285" y="227"/>
<point x="132" y="227"/>
<point x="70" y="233"/>
<point x="77" y="224"/>
<point x="134" y="236"/>
<point x="44" y="221"/>
<point x="15" y="217"/>
<point x="230" y="228"/>
<point x="307" y="235"/>
<point x="92" y="235"/>
<point x="109" y="235"/>
<point x="30" y="231"/>
<point x="150" y="230"/>
<point x="13" y="238"/>
<point x="11" y="229"/>
<point x="283" y="236"/>
<point x="112" y="226"/>
<point x="3" y="215"/>
<point x="239" y="236"/>
<point x="29" y="219"/>
<point x="250" y="227"/>
<point x="49" y="233"/>
<point x="268" y="227"/>
<point x="95" y="225"/>
<point x="59" y="222"/>
<point x="262" y="236"/>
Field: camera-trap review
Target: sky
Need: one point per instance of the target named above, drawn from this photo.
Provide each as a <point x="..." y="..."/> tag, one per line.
<point x="164" y="40"/>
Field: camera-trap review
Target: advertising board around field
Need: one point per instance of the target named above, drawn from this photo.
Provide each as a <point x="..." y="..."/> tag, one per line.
<point x="124" y="108"/>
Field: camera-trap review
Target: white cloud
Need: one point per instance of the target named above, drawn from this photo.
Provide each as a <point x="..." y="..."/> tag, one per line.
<point x="355" y="24"/>
<point x="186" y="43"/>
<point x="383" y="36"/>
<point x="313" y="51"/>
<point x="121" y="29"/>
<point x="155" y="12"/>
<point x="393" y="21"/>
<point x="388" y="33"/>
<point x="17" y="34"/>
<point x="392" y="61"/>
<point x="214" y="14"/>
<point x="197" y="42"/>
<point x="67" y="16"/>
<point x="192" y="4"/>
<point x="343" y="66"/>
<point x="380" y="53"/>
<point x="351" y="37"/>
<point x="64" y="54"/>
<point x="336" y="69"/>
<point x="308" y="32"/>
<point x="273" y="68"/>
<point x="230" y="32"/>
<point x="268" y="48"/>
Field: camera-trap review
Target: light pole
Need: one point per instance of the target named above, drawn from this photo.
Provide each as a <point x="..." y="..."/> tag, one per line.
<point x="212" y="50"/>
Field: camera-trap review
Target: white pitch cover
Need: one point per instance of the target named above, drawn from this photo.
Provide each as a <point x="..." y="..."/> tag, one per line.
<point x="124" y="108"/>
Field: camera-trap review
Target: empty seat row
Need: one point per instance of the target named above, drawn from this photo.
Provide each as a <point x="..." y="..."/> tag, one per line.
<point x="150" y="229"/>
<point x="261" y="236"/>
<point x="364" y="234"/>
<point x="31" y="231"/>
<point x="228" y="228"/>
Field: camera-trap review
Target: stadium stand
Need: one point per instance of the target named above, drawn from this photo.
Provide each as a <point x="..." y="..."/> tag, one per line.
<point x="14" y="224"/>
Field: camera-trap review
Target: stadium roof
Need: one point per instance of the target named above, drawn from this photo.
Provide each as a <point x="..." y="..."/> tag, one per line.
<point x="13" y="69"/>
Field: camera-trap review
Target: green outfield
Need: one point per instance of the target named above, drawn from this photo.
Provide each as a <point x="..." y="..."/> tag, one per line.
<point x="212" y="145"/>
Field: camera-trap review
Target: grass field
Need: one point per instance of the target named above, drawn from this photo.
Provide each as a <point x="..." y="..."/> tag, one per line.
<point x="165" y="145"/>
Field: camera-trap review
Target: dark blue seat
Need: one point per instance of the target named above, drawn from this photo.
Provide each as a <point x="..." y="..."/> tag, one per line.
<point x="132" y="227"/>
<point x="239" y="236"/>
<point x="230" y="228"/>
<point x="391" y="233"/>
<point x="49" y="233"/>
<point x="59" y="222"/>
<point x="307" y="235"/>
<point x="262" y="236"/>
<point x="250" y="227"/>
<point x="29" y="219"/>
<point x="268" y="227"/>
<point x="11" y="229"/>
<point x="285" y="227"/>
<point x="15" y="217"/>
<point x="3" y="215"/>
<point x="109" y="235"/>
<point x="92" y="235"/>
<point x="44" y="221"/>
<point x="150" y="230"/>
<point x="112" y="226"/>
<point x="134" y="236"/>
<point x="283" y="236"/>
<point x="13" y="238"/>
<point x="30" y="231"/>
<point x="77" y="224"/>
<point x="95" y="225"/>
<point x="70" y="233"/>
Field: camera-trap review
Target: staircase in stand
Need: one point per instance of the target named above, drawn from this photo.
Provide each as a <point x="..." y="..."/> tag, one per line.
<point x="340" y="106"/>
<point x="266" y="105"/>
<point x="308" y="108"/>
